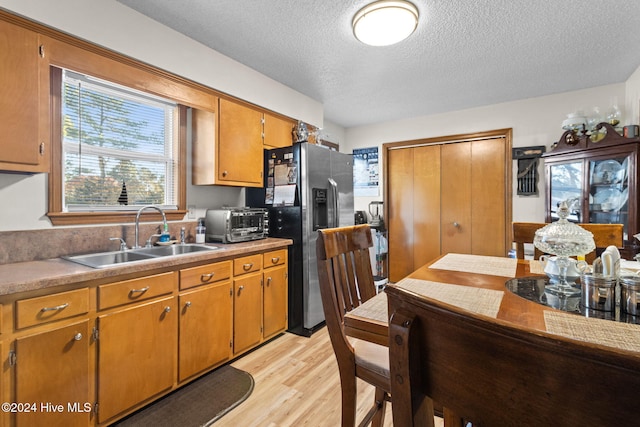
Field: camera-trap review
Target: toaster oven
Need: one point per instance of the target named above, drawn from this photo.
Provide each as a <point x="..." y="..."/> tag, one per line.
<point x="232" y="225"/>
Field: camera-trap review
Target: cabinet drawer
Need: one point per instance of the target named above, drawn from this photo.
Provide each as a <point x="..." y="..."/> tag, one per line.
<point x="210" y="273"/>
<point x="135" y="290"/>
<point x="273" y="258"/>
<point x="34" y="311"/>
<point x="247" y="264"/>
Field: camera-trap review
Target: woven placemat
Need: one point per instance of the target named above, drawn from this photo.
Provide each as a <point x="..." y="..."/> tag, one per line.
<point x="482" y="301"/>
<point x="536" y="267"/>
<point x="375" y="309"/>
<point x="479" y="264"/>
<point x="598" y="331"/>
<point x="477" y="300"/>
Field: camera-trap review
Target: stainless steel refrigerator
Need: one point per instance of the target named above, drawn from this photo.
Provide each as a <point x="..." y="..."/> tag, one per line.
<point x="307" y="187"/>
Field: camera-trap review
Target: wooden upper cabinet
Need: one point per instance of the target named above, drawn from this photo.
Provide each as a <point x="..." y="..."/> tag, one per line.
<point x="204" y="125"/>
<point x="24" y="109"/>
<point x="228" y="144"/>
<point x="277" y="132"/>
<point x="240" y="152"/>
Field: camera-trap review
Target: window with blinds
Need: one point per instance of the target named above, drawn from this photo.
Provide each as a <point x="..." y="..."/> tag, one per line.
<point x="119" y="147"/>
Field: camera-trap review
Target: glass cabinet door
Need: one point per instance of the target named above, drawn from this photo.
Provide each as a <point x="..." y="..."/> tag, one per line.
<point x="609" y="191"/>
<point x="567" y="185"/>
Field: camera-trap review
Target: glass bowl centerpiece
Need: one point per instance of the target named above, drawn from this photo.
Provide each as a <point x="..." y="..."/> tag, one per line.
<point x="563" y="239"/>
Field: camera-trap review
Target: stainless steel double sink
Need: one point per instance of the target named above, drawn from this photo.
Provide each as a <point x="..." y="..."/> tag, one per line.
<point x="108" y="259"/>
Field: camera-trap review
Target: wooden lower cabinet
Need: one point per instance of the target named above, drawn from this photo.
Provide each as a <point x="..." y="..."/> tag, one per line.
<point x="275" y="301"/>
<point x="52" y="377"/>
<point x="205" y="328"/>
<point x="136" y="355"/>
<point x="247" y="312"/>
<point x="104" y="352"/>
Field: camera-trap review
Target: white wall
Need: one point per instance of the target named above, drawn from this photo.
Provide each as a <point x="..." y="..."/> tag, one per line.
<point x="110" y="24"/>
<point x="535" y="121"/>
<point x="632" y="99"/>
<point x="117" y="27"/>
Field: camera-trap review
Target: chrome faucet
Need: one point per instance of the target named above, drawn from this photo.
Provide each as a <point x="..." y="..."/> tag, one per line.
<point x="123" y="244"/>
<point x="164" y="220"/>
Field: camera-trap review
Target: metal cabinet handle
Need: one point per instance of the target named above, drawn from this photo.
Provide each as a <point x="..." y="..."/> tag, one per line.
<point x="247" y="267"/>
<point x="77" y="337"/>
<point x="56" y="308"/>
<point x="275" y="260"/>
<point x="139" y="291"/>
<point x="206" y="277"/>
<point x="224" y="173"/>
<point x="336" y="202"/>
<point x="455" y="224"/>
<point x="268" y="281"/>
<point x="167" y="309"/>
<point x="187" y="304"/>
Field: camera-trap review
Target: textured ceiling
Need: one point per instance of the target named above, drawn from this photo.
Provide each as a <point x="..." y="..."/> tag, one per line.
<point x="464" y="53"/>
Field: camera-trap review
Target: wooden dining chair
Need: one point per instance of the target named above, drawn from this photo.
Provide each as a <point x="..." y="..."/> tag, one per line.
<point x="603" y="234"/>
<point x="346" y="281"/>
<point x="493" y="373"/>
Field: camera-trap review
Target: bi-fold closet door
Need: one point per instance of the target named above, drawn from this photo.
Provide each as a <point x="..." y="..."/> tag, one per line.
<point x="446" y="197"/>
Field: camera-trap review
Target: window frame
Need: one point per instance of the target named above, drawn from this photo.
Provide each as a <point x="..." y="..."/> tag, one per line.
<point x="161" y="157"/>
<point x="64" y="51"/>
<point x="56" y="189"/>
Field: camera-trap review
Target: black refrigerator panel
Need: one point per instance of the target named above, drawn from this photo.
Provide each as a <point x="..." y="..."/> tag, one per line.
<point x="323" y="197"/>
<point x="286" y="222"/>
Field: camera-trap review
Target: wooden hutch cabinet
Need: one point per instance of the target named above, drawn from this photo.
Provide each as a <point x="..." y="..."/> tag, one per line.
<point x="598" y="179"/>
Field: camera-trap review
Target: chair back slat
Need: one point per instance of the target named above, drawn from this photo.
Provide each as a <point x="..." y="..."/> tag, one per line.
<point x="346" y="281"/>
<point x="343" y="258"/>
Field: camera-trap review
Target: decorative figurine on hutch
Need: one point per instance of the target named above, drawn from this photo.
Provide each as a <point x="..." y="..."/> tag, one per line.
<point x="564" y="239"/>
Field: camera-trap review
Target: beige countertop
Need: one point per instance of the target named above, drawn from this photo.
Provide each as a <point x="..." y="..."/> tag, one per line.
<point x="38" y="275"/>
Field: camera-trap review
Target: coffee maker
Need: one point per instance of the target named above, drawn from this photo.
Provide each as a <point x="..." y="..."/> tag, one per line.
<point x="375" y="210"/>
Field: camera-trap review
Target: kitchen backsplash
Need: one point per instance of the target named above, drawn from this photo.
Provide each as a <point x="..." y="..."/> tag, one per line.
<point x="33" y="245"/>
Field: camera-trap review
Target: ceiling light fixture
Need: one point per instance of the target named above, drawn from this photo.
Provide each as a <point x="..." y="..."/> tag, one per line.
<point x="385" y="22"/>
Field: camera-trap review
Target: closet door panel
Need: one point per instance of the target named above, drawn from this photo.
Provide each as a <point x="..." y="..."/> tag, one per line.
<point x="488" y="204"/>
<point x="456" y="198"/>
<point x="426" y="204"/>
<point x="400" y="221"/>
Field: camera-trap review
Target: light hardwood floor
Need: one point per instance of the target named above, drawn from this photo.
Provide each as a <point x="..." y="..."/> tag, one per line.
<point x="296" y="384"/>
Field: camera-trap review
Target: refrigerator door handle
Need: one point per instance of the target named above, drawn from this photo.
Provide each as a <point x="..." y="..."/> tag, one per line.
<point x="336" y="204"/>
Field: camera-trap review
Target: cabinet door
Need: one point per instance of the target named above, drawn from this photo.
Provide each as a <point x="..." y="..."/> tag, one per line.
<point x="566" y="182"/>
<point x="240" y="150"/>
<point x="205" y="328"/>
<point x="488" y="200"/>
<point x="401" y="212"/>
<point x="136" y="355"/>
<point x="277" y="132"/>
<point x="24" y="141"/>
<point x="455" y="218"/>
<point x="275" y="301"/>
<point x="52" y="373"/>
<point x="247" y="312"/>
<point x="609" y="190"/>
<point x="426" y="208"/>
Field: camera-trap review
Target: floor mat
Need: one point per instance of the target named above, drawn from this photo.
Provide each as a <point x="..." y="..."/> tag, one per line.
<point x="199" y="403"/>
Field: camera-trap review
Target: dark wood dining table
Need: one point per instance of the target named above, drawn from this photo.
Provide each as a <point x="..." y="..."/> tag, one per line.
<point x="369" y="321"/>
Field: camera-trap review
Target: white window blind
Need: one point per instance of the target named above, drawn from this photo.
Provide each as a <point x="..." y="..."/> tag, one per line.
<point x="119" y="146"/>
